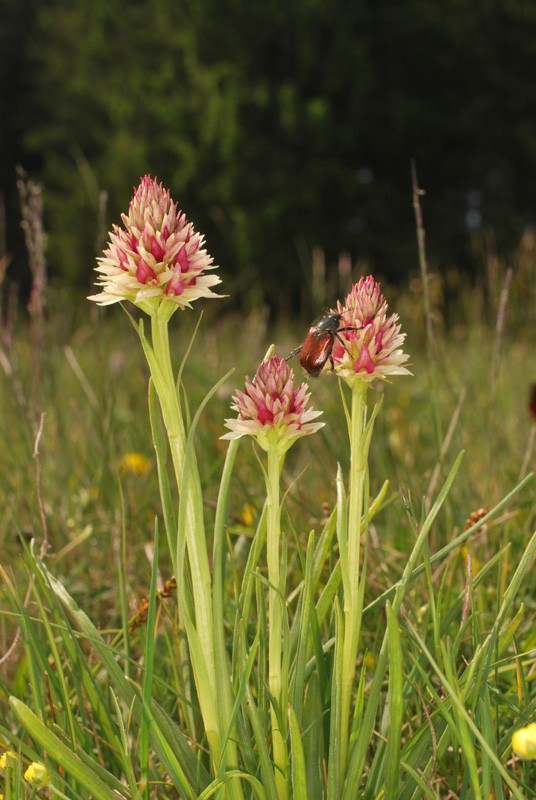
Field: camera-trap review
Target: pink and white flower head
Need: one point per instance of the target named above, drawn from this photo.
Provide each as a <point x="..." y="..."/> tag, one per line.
<point x="271" y="409"/>
<point x="156" y="257"/>
<point x="372" y="342"/>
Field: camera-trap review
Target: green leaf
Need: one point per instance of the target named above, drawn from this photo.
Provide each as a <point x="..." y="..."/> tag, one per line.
<point x="62" y="754"/>
<point x="455" y="543"/>
<point x="149" y="659"/>
<point x="177" y="757"/>
<point x="395" y="705"/>
<point x="358" y="754"/>
<point x="313" y="740"/>
<point x="259" y="733"/>
<point x="304" y="625"/>
<point x="160" y="447"/>
<point x="334" y="773"/>
<point x="298" y="775"/>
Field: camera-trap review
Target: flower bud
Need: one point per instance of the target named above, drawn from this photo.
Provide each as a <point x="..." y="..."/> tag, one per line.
<point x="271" y="409"/>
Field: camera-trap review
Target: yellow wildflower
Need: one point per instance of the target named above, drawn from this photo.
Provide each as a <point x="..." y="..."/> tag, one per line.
<point x="524" y="741"/>
<point x="247" y="515"/>
<point x="37" y="774"/>
<point x="135" y="464"/>
<point x="8" y="759"/>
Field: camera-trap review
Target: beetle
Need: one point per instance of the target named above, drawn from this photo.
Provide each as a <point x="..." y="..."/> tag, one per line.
<point x="319" y="342"/>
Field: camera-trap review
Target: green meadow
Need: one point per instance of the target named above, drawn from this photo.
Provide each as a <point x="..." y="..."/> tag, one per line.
<point x="453" y="440"/>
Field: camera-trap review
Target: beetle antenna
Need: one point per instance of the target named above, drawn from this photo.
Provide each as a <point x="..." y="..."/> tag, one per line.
<point x="294" y="353"/>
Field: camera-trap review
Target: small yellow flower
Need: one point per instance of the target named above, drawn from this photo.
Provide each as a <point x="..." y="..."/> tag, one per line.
<point x="37" y="774"/>
<point x="247" y="515"/>
<point x="524" y="741"/>
<point x="370" y="662"/>
<point x="135" y="464"/>
<point x="8" y="759"/>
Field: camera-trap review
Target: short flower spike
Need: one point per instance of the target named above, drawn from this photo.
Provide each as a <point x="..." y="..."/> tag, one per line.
<point x="271" y="409"/>
<point x="157" y="257"/>
<point x="369" y="343"/>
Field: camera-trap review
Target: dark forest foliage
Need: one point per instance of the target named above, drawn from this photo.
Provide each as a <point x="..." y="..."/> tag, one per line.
<point x="278" y="126"/>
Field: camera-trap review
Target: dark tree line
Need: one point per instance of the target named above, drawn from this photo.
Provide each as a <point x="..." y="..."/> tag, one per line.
<point x="278" y="125"/>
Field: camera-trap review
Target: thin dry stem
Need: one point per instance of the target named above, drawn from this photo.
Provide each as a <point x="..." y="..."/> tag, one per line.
<point x="101" y="222"/>
<point x="528" y="453"/>
<point x="499" y="331"/>
<point x="422" y="258"/>
<point x="444" y="448"/>
<point x="467" y="596"/>
<point x="44" y="544"/>
<point x="79" y="372"/>
<point x="37" y="456"/>
<point x="31" y="203"/>
<point x="499" y="325"/>
<point x="433" y="736"/>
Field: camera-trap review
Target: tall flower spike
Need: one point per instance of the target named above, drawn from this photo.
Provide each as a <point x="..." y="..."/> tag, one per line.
<point x="271" y="409"/>
<point x="372" y="342"/>
<point x="156" y="257"/>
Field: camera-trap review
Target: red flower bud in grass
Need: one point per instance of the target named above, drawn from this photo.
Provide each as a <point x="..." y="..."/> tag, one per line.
<point x="271" y="409"/>
<point x="370" y="347"/>
<point x="156" y="257"/>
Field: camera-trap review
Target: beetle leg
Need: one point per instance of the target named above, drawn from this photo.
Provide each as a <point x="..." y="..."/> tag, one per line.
<point x="342" y="340"/>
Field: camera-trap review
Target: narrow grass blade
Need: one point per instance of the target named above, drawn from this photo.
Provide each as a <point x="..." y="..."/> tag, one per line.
<point x="334" y="774"/>
<point x="298" y="774"/>
<point x="62" y="754"/>
<point x="216" y="785"/>
<point x="463" y="731"/>
<point x="395" y="705"/>
<point x="358" y="754"/>
<point x="304" y="628"/>
<point x="249" y="582"/>
<point x="455" y="543"/>
<point x="342" y="532"/>
<point x="313" y="740"/>
<point x="159" y="442"/>
<point x="158" y="735"/>
<point x="149" y="664"/>
<point x="259" y="733"/>
<point x="223" y="683"/>
<point x="124" y="750"/>
<point x="325" y="602"/>
<point x="462" y="713"/>
<point x="419" y="780"/>
<point x="177" y="757"/>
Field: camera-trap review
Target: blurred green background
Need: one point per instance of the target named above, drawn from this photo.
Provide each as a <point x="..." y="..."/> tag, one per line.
<point x="278" y="126"/>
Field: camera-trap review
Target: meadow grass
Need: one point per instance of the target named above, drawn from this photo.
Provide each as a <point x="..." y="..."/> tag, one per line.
<point x="436" y="701"/>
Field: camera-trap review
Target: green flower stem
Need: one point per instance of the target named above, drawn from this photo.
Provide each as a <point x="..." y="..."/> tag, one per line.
<point x="275" y="616"/>
<point x="352" y="610"/>
<point x="195" y="533"/>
